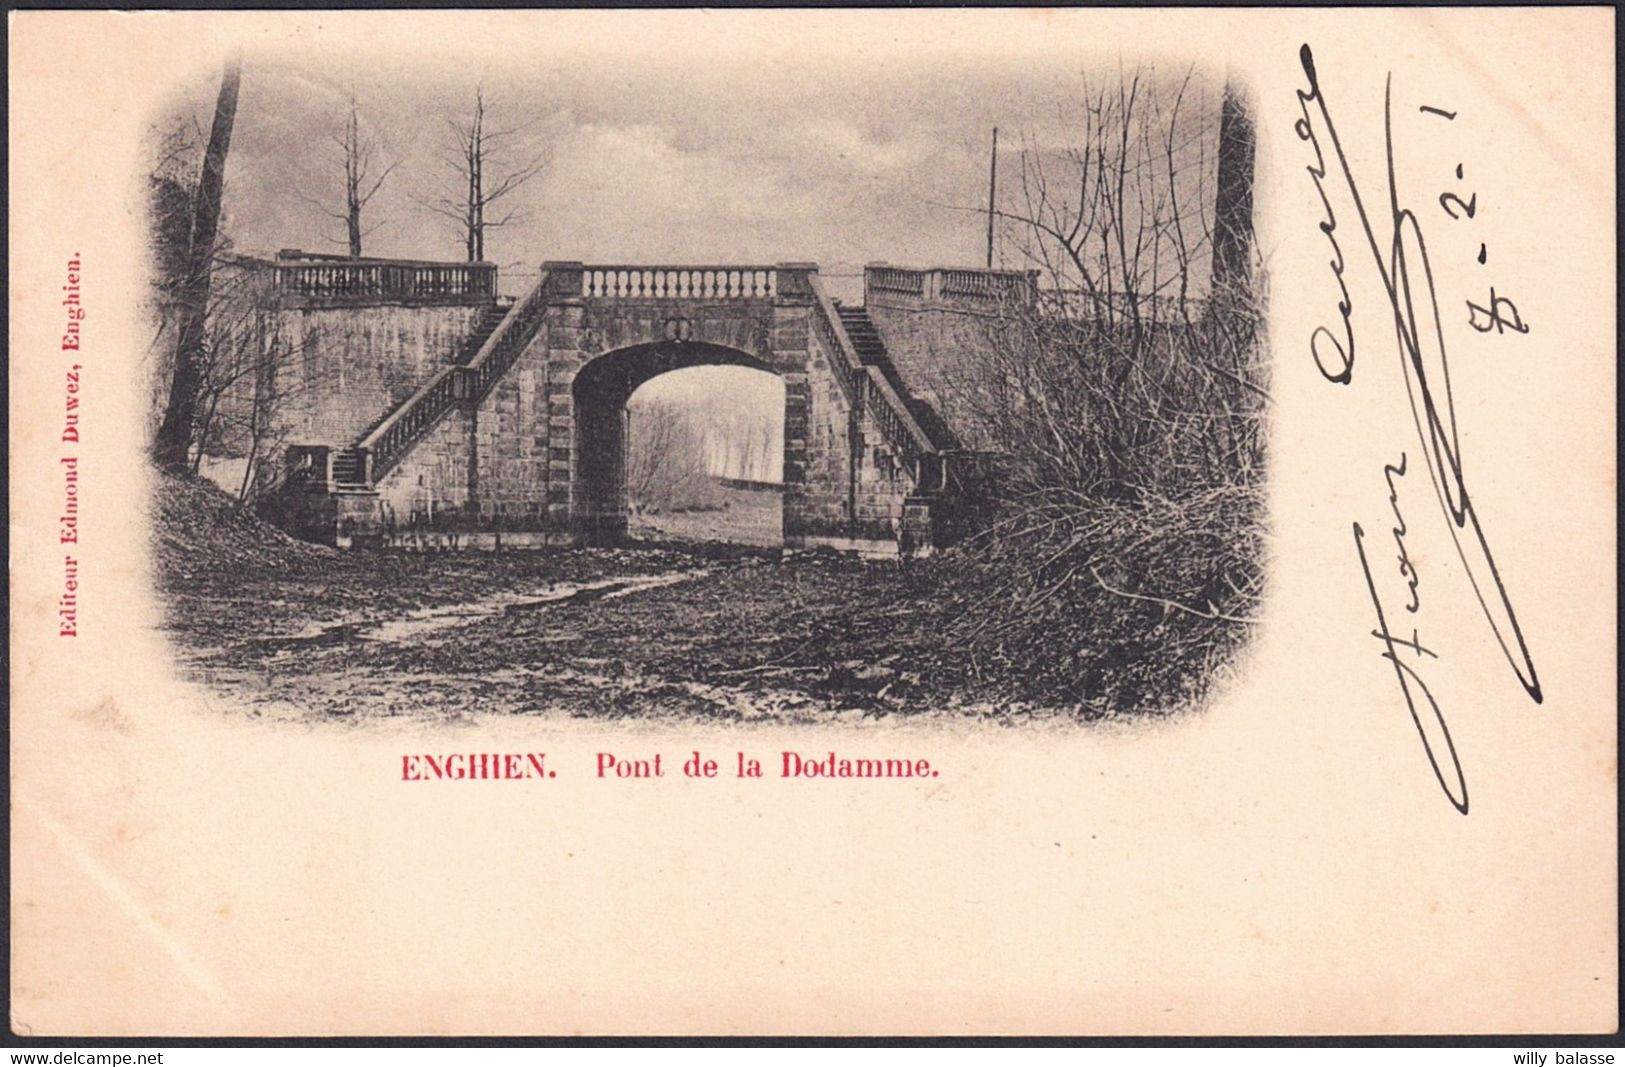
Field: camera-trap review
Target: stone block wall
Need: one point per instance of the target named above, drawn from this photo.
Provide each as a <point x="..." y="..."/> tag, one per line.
<point x="351" y="366"/>
<point x="523" y="437"/>
<point x="821" y="459"/>
<point x="939" y="352"/>
<point x="542" y="452"/>
<point x="515" y="425"/>
<point x="430" y="486"/>
<point x="882" y="487"/>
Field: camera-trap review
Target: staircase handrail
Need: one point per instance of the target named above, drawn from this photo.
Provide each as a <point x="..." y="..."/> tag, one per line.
<point x="388" y="441"/>
<point x="869" y="383"/>
<point x="515" y="331"/>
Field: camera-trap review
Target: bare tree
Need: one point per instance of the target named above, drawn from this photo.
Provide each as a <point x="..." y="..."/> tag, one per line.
<point x="236" y="366"/>
<point x="279" y="383"/>
<point x="232" y="350"/>
<point x="1126" y="406"/>
<point x="174" y="435"/>
<point x="172" y="177"/>
<point x="485" y="171"/>
<point x="249" y="379"/>
<point x="741" y="442"/>
<point x="248" y="386"/>
<point x="1119" y="218"/>
<point x="665" y="458"/>
<point x="1135" y="373"/>
<point x="1233" y="197"/>
<point x="364" y="175"/>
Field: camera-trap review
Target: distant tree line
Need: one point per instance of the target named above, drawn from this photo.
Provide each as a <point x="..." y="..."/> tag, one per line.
<point x="677" y="453"/>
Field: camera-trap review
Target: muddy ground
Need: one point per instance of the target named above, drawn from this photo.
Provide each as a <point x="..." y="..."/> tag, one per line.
<point x="655" y="629"/>
<point x="652" y="630"/>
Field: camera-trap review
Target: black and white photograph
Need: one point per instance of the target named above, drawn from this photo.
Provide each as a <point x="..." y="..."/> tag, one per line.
<point x="742" y="394"/>
<point x="802" y="525"/>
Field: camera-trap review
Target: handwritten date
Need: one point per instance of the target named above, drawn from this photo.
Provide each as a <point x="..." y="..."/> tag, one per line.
<point x="1393" y="234"/>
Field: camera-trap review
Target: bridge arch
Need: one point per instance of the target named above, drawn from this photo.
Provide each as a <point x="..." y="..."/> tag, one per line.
<point x="600" y="391"/>
<point x="466" y="424"/>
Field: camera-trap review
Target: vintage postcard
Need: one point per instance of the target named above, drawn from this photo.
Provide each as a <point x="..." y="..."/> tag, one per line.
<point x="813" y="522"/>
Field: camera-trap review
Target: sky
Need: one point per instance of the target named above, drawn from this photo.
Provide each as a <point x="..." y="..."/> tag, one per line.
<point x="841" y="143"/>
<point x="655" y="157"/>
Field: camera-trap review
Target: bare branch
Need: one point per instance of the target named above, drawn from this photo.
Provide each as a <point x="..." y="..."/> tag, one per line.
<point x="482" y="178"/>
<point x="1210" y="613"/>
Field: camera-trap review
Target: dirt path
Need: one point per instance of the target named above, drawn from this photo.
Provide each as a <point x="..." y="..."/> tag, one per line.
<point x="678" y="628"/>
<point x="650" y="633"/>
<point x="419" y="623"/>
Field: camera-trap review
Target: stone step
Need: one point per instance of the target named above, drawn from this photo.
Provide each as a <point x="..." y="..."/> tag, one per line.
<point x="860" y="330"/>
<point x="349" y="467"/>
<point x="484" y="327"/>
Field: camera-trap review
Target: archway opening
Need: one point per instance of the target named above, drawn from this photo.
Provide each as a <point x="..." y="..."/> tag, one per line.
<point x="680" y="442"/>
<point x="705" y="456"/>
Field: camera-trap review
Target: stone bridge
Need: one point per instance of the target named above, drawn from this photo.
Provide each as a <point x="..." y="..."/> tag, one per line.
<point x="437" y="411"/>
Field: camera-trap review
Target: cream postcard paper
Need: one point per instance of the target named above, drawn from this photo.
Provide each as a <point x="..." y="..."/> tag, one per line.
<point x="450" y="727"/>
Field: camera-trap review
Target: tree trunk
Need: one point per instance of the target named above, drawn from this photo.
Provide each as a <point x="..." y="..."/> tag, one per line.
<point x="352" y="181"/>
<point x="175" y="433"/>
<point x="476" y="181"/>
<point x="1233" y="195"/>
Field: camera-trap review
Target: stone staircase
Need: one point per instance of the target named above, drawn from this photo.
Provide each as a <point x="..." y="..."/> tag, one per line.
<point x="349" y="469"/>
<point x="489" y="319"/>
<point x="872" y="350"/>
<point x="350" y="464"/>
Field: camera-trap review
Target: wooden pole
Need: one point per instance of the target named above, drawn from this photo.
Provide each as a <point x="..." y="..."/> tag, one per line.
<point x="992" y="191"/>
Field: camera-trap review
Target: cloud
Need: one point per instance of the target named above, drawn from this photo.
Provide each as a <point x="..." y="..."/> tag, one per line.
<point x="663" y="159"/>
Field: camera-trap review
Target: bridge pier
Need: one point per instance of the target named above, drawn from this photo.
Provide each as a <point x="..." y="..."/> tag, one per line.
<point x="600" y="507"/>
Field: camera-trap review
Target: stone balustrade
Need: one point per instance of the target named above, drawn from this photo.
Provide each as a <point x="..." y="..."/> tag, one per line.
<point x="965" y="288"/>
<point x="610" y="282"/>
<point x="303" y="279"/>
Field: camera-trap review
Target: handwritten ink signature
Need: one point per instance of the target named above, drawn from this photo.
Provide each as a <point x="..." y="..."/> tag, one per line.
<point x="1407" y="278"/>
